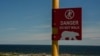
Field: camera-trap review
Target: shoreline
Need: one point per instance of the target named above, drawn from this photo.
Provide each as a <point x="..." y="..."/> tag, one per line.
<point x="40" y="54"/>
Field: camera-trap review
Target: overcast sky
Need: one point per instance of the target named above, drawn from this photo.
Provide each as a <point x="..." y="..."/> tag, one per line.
<point x="29" y="21"/>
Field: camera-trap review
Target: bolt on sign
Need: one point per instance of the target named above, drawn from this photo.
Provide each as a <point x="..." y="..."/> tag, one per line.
<point x="67" y="24"/>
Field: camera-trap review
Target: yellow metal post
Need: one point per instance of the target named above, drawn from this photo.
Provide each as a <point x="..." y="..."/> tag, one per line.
<point x="55" y="46"/>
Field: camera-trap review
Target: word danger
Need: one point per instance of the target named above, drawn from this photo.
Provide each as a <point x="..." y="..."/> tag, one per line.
<point x="69" y="25"/>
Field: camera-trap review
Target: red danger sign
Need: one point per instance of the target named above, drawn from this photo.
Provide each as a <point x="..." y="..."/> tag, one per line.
<point x="67" y="24"/>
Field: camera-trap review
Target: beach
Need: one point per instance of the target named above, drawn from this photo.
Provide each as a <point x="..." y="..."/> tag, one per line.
<point x="39" y="54"/>
<point x="31" y="54"/>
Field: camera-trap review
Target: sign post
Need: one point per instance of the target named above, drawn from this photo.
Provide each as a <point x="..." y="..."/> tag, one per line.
<point x="66" y="25"/>
<point x="55" y="48"/>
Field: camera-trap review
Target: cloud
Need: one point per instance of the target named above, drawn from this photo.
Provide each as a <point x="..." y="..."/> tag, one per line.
<point x="81" y="42"/>
<point x="26" y="38"/>
<point x="39" y="29"/>
<point x="8" y="29"/>
<point x="42" y="26"/>
<point x="40" y="32"/>
<point x="11" y="28"/>
<point x="42" y="36"/>
<point x="91" y="33"/>
<point x="37" y="35"/>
